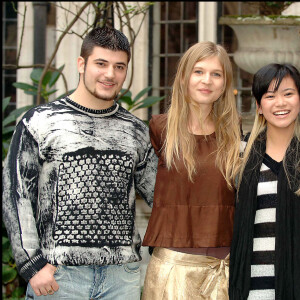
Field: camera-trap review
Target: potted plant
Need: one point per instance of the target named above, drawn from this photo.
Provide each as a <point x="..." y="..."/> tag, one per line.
<point x="265" y="37"/>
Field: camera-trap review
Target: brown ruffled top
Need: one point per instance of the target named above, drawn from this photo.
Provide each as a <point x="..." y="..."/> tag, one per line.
<point x="187" y="214"/>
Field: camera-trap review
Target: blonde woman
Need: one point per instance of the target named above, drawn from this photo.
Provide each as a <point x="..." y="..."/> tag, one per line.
<point x="197" y="142"/>
<point x="265" y="252"/>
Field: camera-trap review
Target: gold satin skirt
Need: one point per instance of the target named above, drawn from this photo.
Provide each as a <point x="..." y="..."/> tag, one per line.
<point x="173" y="275"/>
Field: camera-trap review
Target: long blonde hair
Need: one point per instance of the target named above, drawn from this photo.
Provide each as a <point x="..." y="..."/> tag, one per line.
<point x="261" y="82"/>
<point x="180" y="143"/>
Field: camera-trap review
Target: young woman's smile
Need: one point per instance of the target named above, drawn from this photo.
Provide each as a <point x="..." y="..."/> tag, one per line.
<point x="206" y="82"/>
<point x="282" y="107"/>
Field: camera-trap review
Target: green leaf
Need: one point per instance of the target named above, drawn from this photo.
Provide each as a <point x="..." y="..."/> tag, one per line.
<point x="50" y="92"/>
<point x="5" y="242"/>
<point x="149" y="101"/>
<point x="146" y="100"/>
<point x="9" y="119"/>
<point x="18" y="292"/>
<point x="142" y="93"/>
<point x="8" y="274"/>
<point x="5" y="102"/>
<point x="6" y="255"/>
<point x="4" y="149"/>
<point x="19" y="111"/>
<point x="7" y="130"/>
<point x="34" y="93"/>
<point x="126" y="99"/>
<point x="55" y="75"/>
<point x="6" y="250"/>
<point x="128" y="94"/>
<point x="36" y="75"/>
<point x="46" y="79"/>
<point x="24" y="86"/>
<point x="12" y="117"/>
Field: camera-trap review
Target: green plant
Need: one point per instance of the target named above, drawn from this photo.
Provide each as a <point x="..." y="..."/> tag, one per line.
<point x="14" y="285"/>
<point x="139" y="102"/>
<point x="272" y="7"/>
<point x="48" y="82"/>
<point x="9" y="272"/>
<point x="8" y="124"/>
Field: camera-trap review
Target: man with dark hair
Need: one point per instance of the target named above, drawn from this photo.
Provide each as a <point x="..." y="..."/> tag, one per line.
<point x="69" y="183"/>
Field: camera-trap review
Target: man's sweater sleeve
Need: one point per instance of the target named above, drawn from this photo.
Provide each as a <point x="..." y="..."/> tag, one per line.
<point x="145" y="175"/>
<point x="19" y="201"/>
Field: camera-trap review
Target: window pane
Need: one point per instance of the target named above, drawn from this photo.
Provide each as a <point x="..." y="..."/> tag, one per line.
<point x="11" y="34"/>
<point x="163" y="7"/>
<point x="9" y="38"/>
<point x="165" y="103"/>
<point x="163" y="39"/>
<point x="190" y="35"/>
<point x="10" y="90"/>
<point x="174" y="10"/>
<point x="9" y="10"/>
<point x="190" y="10"/>
<point x="174" y="38"/>
<point x="162" y="71"/>
<point x="10" y="72"/>
<point x="10" y="56"/>
<point x="172" y="67"/>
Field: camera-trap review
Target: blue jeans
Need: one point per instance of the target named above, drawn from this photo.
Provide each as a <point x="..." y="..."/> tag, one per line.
<point x="111" y="282"/>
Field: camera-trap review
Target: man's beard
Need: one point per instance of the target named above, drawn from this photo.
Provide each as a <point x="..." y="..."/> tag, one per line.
<point x="97" y="95"/>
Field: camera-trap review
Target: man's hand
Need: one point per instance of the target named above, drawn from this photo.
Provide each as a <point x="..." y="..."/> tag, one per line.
<point x="43" y="282"/>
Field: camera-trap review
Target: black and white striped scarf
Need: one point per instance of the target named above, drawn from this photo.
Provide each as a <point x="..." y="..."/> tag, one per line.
<point x="287" y="247"/>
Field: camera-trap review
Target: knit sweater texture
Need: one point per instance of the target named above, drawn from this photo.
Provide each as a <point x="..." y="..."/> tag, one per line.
<point x="69" y="186"/>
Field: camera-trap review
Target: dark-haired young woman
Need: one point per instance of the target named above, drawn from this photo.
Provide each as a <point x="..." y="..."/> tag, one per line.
<point x="265" y="251"/>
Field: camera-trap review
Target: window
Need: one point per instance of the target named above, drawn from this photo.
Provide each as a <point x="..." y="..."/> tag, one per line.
<point x="242" y="80"/>
<point x="175" y="29"/>
<point x="9" y="51"/>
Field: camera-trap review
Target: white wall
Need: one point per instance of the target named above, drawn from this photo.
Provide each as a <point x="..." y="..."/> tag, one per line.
<point x="207" y="21"/>
<point x="69" y="49"/>
<point x="26" y="57"/>
<point x="140" y="57"/>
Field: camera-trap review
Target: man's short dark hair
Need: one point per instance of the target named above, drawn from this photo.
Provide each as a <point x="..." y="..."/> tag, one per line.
<point x="105" y="37"/>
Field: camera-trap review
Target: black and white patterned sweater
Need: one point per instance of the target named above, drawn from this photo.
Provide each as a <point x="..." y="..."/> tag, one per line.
<point x="69" y="183"/>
